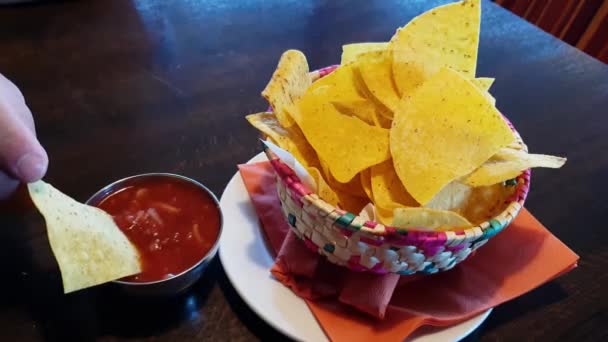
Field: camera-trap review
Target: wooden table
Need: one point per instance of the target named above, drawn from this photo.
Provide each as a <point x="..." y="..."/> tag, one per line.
<point x="123" y="87"/>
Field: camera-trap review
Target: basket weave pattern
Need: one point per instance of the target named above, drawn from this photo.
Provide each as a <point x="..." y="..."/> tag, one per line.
<point x="351" y="241"/>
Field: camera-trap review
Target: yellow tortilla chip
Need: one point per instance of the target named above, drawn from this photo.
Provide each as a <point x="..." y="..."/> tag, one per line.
<point x="90" y="249"/>
<point x="353" y="187"/>
<point x="366" y="183"/>
<point x="445" y="36"/>
<point x="368" y="109"/>
<point x="342" y="200"/>
<point x="483" y="83"/>
<point x="352" y="204"/>
<point x="343" y="86"/>
<point x="428" y="219"/>
<point x="509" y="163"/>
<point x="351" y="51"/>
<point x="383" y="215"/>
<point x="359" y="108"/>
<point x="477" y="204"/>
<point x="485" y="202"/>
<point x="365" y="110"/>
<point x="448" y="130"/>
<point x="329" y="132"/>
<point x="376" y="71"/>
<point x="489" y="97"/>
<point x="288" y="83"/>
<point x="290" y="139"/>
<point x="453" y="196"/>
<point x="517" y="145"/>
<point x="387" y="189"/>
<point x="272" y="140"/>
<point x="380" y="120"/>
<point x="328" y="194"/>
<point x="323" y="190"/>
<point x="407" y="73"/>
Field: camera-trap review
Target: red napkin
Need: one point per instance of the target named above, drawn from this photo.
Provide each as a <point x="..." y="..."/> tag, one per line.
<point x="519" y="259"/>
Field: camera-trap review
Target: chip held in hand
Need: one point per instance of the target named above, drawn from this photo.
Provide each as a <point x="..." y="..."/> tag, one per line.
<point x="88" y="246"/>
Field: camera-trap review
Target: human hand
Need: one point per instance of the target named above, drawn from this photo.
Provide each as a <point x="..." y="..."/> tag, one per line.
<point x="22" y="158"/>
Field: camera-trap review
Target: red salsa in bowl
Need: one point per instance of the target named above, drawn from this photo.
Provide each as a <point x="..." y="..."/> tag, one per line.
<point x="173" y="221"/>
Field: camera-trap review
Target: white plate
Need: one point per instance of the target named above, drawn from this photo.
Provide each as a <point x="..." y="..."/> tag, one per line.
<point x="247" y="262"/>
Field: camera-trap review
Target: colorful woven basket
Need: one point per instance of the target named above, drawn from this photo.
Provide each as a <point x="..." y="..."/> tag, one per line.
<point x="351" y="241"/>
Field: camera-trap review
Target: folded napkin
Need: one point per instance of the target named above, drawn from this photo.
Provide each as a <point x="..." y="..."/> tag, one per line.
<point x="360" y="306"/>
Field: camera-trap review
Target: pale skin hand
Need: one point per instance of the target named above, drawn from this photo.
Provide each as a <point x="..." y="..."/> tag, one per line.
<point x="22" y="158"/>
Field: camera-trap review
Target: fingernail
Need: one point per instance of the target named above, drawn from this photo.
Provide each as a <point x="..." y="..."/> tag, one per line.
<point x="30" y="167"/>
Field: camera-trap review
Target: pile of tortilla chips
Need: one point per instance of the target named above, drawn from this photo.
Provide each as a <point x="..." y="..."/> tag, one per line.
<point x="406" y="125"/>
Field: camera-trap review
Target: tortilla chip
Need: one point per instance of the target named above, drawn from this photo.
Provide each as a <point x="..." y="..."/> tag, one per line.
<point x="445" y="36"/>
<point x="428" y="219"/>
<point x="352" y="204"/>
<point x="343" y="200"/>
<point x="343" y="86"/>
<point x="448" y="130"/>
<point x="376" y="72"/>
<point x="268" y="138"/>
<point x="485" y="202"/>
<point x="453" y="196"/>
<point x="329" y="132"/>
<point x="383" y="215"/>
<point x="387" y="189"/>
<point x="353" y="187"/>
<point x="360" y="108"/>
<point x="350" y="52"/>
<point x="288" y="83"/>
<point x="323" y="190"/>
<point x="366" y="183"/>
<point x="290" y="139"/>
<point x="477" y="204"/>
<point x="489" y="97"/>
<point x="366" y="111"/>
<point x="408" y="74"/>
<point x="509" y="163"/>
<point x="517" y="145"/>
<point x="483" y="83"/>
<point x="369" y="109"/>
<point x="90" y="249"/>
<point x="380" y="120"/>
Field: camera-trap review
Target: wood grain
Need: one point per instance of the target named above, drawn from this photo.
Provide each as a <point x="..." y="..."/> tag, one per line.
<point x="583" y="23"/>
<point x="122" y="87"/>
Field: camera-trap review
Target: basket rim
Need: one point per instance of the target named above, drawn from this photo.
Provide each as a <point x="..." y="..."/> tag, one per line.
<point x="376" y="229"/>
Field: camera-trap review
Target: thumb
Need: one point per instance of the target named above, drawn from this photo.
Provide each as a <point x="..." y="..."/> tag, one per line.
<point x="21" y="155"/>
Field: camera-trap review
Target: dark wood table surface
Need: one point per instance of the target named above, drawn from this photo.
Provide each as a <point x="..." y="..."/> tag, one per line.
<point x="121" y="87"/>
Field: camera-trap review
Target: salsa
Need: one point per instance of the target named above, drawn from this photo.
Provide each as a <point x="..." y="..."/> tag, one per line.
<point x="172" y="222"/>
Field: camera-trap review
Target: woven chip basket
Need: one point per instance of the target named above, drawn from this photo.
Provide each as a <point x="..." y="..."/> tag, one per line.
<point x="351" y="241"/>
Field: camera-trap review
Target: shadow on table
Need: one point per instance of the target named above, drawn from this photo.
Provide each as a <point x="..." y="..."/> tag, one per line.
<point x="250" y="319"/>
<point x="127" y="316"/>
<point x="106" y="311"/>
